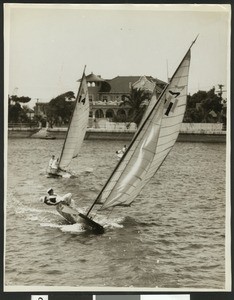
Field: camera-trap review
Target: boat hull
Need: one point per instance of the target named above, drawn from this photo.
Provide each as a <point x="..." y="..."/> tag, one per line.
<point x="47" y="138"/>
<point x="68" y="213"/>
<point x="55" y="173"/>
<point x="73" y="217"/>
<point x="91" y="225"/>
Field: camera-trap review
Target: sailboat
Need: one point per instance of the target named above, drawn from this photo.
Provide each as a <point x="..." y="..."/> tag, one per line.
<point x="75" y="133"/>
<point x="148" y="149"/>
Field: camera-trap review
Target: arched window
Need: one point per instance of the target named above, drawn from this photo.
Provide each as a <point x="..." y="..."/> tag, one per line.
<point x="110" y="113"/>
<point x="99" y="114"/>
<point x="121" y="115"/>
<point x="121" y="112"/>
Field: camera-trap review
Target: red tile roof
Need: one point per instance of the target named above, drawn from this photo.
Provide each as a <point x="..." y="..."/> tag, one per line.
<point x="122" y="84"/>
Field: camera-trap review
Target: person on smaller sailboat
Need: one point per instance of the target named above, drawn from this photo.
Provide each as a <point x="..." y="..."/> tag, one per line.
<point x="53" y="166"/>
<point x="51" y="161"/>
<point x="121" y="152"/>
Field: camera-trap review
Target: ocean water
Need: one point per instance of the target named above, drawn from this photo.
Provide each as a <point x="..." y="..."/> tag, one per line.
<point x="173" y="235"/>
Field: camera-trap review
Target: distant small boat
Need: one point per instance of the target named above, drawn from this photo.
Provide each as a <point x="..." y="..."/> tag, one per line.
<point x="48" y="138"/>
<point x="75" y="133"/>
<point x="148" y="149"/>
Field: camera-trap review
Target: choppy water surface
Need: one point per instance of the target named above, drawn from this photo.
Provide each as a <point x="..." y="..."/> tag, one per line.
<point x="171" y="237"/>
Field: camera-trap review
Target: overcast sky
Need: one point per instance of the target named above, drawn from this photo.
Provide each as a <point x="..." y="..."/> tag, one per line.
<point x="47" y="46"/>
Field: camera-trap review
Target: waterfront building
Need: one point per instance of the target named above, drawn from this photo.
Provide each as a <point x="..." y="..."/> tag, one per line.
<point x="105" y="95"/>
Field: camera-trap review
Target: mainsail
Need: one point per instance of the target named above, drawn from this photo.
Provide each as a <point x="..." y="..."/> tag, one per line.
<point x="151" y="104"/>
<point x="151" y="144"/>
<point x="77" y="127"/>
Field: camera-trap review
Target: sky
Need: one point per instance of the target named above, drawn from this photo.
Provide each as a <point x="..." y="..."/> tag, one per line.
<point x="47" y="46"/>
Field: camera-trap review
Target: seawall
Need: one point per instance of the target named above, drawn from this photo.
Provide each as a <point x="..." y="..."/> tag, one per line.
<point x="21" y="132"/>
<point x="199" y="132"/>
<point x="189" y="132"/>
<point x="126" y="135"/>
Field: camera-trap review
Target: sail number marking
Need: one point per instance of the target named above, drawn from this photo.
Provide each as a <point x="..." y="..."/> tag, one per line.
<point x="82" y="98"/>
<point x="172" y="104"/>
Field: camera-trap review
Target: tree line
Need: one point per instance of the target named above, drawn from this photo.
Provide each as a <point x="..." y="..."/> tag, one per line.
<point x="202" y="107"/>
<point x="205" y="107"/>
<point x="58" y="111"/>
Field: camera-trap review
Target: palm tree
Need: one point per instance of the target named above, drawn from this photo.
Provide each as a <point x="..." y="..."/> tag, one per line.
<point x="138" y="100"/>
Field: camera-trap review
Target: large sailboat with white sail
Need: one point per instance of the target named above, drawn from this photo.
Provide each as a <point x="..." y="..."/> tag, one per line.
<point x="148" y="149"/>
<point x="75" y="133"/>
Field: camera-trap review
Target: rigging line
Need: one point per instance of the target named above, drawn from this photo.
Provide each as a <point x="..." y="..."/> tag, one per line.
<point x="110" y="212"/>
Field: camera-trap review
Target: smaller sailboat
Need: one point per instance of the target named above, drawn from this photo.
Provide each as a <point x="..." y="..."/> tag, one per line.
<point x="148" y="149"/>
<point x="75" y="133"/>
<point x="120" y="153"/>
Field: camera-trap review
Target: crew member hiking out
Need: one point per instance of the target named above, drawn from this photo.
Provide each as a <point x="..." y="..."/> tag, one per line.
<point x="54" y="199"/>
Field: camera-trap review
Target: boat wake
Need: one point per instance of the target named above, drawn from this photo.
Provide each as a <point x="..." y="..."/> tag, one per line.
<point x="70" y="228"/>
<point x="73" y="228"/>
<point x="82" y="171"/>
<point x="109" y="223"/>
<point x="70" y="174"/>
<point x="112" y="225"/>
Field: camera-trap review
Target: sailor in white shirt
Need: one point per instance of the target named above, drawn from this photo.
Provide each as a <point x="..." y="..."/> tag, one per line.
<point x="53" y="199"/>
<point x="51" y="161"/>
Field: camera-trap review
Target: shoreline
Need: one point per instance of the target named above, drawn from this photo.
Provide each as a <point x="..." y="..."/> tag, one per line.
<point x="103" y="134"/>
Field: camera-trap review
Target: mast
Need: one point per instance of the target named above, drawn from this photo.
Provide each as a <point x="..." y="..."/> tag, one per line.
<point x="167" y="72"/>
<point x="71" y="117"/>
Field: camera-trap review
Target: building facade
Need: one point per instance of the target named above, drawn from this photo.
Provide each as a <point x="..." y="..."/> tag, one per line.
<point x="105" y="95"/>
